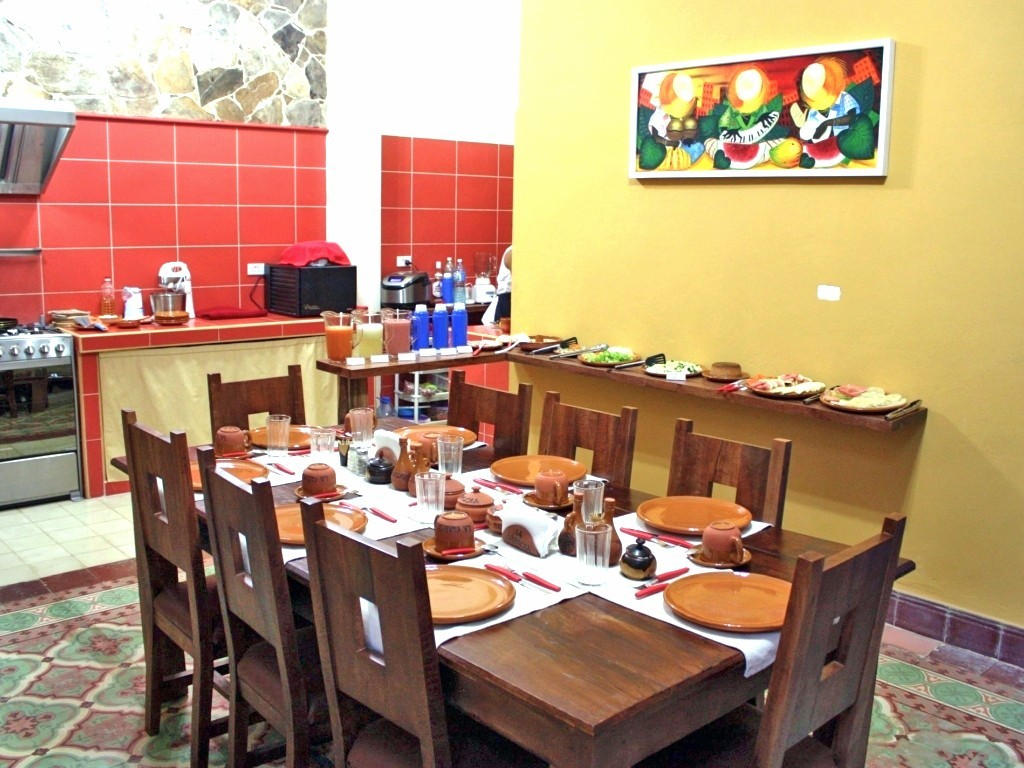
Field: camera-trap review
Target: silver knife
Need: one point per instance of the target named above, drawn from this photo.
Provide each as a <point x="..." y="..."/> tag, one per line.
<point x="907" y="409"/>
<point x="575" y="352"/>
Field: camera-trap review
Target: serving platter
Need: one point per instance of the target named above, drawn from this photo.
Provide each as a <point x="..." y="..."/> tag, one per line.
<point x="690" y="514"/>
<point x="523" y="470"/>
<point x="662" y="370"/>
<point x="539" y="340"/>
<point x="289" y="521"/>
<point x="243" y="469"/>
<point x="724" y="379"/>
<point x="833" y="400"/>
<point x="792" y="392"/>
<point x="589" y="358"/>
<point x="412" y="434"/>
<point x="736" y="602"/>
<point x="298" y="437"/>
<point x="459" y="594"/>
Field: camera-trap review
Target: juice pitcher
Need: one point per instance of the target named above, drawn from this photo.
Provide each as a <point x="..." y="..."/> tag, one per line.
<point x="370" y="337"/>
<point x="342" y="332"/>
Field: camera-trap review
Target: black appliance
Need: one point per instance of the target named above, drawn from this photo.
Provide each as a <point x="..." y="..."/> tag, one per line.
<point x="308" y="291"/>
<point x="39" y="445"/>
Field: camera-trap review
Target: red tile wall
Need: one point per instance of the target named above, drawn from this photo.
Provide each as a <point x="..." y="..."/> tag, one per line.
<point x="444" y="198"/>
<point x="131" y="194"/>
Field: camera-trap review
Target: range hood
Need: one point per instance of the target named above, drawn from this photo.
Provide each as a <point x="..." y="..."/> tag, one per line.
<point x="32" y="137"/>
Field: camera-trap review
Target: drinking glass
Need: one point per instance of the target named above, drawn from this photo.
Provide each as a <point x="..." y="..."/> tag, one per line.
<point x="593" y="547"/>
<point x="362" y="425"/>
<point x="592" y="492"/>
<point x="277" y="434"/>
<point x="449" y="453"/>
<point x="430" y="492"/>
<point x="397" y="330"/>
<point x="322" y="443"/>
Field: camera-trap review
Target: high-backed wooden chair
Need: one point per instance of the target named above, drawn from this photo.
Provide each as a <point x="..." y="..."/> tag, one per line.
<point x="394" y="673"/>
<point x="178" y="616"/>
<point x="758" y="474"/>
<point x="823" y="680"/>
<point x="470" y="405"/>
<point x="564" y="428"/>
<point x="232" y="402"/>
<point x="275" y="668"/>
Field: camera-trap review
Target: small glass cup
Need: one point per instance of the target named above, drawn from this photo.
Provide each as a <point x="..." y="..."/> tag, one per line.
<point x="430" y="492"/>
<point x="361" y="422"/>
<point x="592" y="492"/>
<point x="449" y="453"/>
<point x="593" y="548"/>
<point x="322" y="443"/>
<point x="277" y="434"/>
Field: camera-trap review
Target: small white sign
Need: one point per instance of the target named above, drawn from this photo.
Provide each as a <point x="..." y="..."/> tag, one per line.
<point x="464" y="350"/>
<point x="447" y="352"/>
<point x="675" y="376"/>
<point x="355" y="361"/>
<point x="407" y="357"/>
<point x="380" y="358"/>
<point x="428" y="353"/>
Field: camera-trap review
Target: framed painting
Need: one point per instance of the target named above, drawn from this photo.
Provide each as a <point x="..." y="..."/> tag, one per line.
<point x="807" y="112"/>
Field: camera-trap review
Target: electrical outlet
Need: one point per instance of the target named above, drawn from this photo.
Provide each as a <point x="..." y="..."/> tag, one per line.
<point x="403" y="261"/>
<point x="255" y="268"/>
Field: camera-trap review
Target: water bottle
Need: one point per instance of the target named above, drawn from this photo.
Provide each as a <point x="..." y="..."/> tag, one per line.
<point x="440" y="326"/>
<point x="448" y="283"/>
<point x="459" y="276"/>
<point x="384" y="410"/>
<point x="107" y="304"/>
<point x="460" y="325"/>
<point x="420" y="327"/>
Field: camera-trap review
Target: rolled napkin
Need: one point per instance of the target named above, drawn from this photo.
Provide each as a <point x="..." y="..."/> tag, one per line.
<point x="530" y="531"/>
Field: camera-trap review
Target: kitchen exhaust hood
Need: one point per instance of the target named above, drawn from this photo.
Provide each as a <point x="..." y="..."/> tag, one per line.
<point x="33" y="135"/>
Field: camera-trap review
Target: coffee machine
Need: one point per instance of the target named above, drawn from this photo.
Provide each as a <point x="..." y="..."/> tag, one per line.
<point x="174" y="277"/>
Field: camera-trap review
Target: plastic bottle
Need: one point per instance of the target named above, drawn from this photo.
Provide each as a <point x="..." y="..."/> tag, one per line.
<point x="107" y="304"/>
<point x="385" y="410"/>
<point x="420" y="327"/>
<point x="435" y="288"/>
<point x="440" y="326"/>
<point x="447" y="283"/>
<point x="460" y="325"/>
<point x="459" y="277"/>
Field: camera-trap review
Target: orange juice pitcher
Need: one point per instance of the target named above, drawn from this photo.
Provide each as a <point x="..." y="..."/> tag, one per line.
<point x="342" y="333"/>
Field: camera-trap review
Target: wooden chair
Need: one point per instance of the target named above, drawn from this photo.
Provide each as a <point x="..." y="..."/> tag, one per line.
<point x="394" y="673"/>
<point x="231" y="403"/>
<point x="469" y="405"/>
<point x="275" y="668"/>
<point x="178" y="617"/>
<point x="823" y="680"/>
<point x="564" y="428"/>
<point x="758" y="474"/>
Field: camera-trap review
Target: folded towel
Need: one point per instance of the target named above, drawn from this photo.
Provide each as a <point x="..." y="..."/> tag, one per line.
<point x="226" y="313"/>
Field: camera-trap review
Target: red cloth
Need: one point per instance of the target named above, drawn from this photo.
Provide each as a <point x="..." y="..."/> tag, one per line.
<point x="225" y="313"/>
<point x="301" y="254"/>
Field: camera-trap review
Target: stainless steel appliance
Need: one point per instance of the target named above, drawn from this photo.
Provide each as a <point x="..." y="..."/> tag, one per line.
<point x="404" y="290"/>
<point x="33" y="134"/>
<point x="174" y="277"/>
<point x="39" y="443"/>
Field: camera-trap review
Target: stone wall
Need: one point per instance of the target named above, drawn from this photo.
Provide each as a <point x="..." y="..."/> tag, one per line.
<point x="243" y="61"/>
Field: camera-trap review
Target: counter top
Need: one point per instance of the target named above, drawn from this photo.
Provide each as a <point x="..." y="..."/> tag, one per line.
<point x="197" y="331"/>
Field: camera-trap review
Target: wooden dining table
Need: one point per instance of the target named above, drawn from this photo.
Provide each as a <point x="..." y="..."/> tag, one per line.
<point x="586" y="683"/>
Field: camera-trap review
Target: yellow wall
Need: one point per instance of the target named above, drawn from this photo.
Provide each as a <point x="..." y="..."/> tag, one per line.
<point x="929" y="261"/>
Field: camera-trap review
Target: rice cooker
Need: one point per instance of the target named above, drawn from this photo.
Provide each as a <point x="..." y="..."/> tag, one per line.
<point x="404" y="290"/>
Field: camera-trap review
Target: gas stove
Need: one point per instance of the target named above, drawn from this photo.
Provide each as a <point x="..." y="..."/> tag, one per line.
<point x="33" y="346"/>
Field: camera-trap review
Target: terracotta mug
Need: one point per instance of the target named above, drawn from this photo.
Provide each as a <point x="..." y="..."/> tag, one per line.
<point x="721" y="543"/>
<point x="453" y="530"/>
<point x="231" y="440"/>
<point x="550" y="487"/>
<point x="428" y="445"/>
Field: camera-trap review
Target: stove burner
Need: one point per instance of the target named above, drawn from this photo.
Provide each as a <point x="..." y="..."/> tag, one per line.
<point x="31" y="329"/>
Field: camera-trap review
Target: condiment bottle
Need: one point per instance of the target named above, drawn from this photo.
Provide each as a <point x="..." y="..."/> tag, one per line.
<point x="567" y="536"/>
<point x="638" y="562"/>
<point x="107" y="304"/>
<point x="615" y="553"/>
<point x="404" y="467"/>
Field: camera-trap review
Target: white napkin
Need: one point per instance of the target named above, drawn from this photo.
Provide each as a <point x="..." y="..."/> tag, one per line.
<point x="542" y="530"/>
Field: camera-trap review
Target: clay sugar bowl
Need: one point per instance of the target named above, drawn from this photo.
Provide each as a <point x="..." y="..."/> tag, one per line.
<point x="318" y="478"/>
<point x="475" y="504"/>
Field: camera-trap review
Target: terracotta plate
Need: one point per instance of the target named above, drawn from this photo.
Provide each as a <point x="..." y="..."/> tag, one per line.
<point x="243" y="469"/>
<point x="298" y="437"/>
<point x="521" y="470"/>
<point x="412" y="434"/>
<point x="690" y="514"/>
<point x="340" y="489"/>
<point x="532" y="500"/>
<point x="538" y="341"/>
<point x="289" y="521"/>
<point x="706" y="373"/>
<point x="841" y="404"/>
<point x="737" y="602"/>
<point x="430" y="547"/>
<point x="466" y="594"/>
<point x="697" y="555"/>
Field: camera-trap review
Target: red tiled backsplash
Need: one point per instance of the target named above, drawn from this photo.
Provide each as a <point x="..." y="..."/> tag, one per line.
<point x="131" y="194"/>
<point x="444" y="198"/>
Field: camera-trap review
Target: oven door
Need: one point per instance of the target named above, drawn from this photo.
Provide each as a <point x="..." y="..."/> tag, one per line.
<point x="39" y="452"/>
